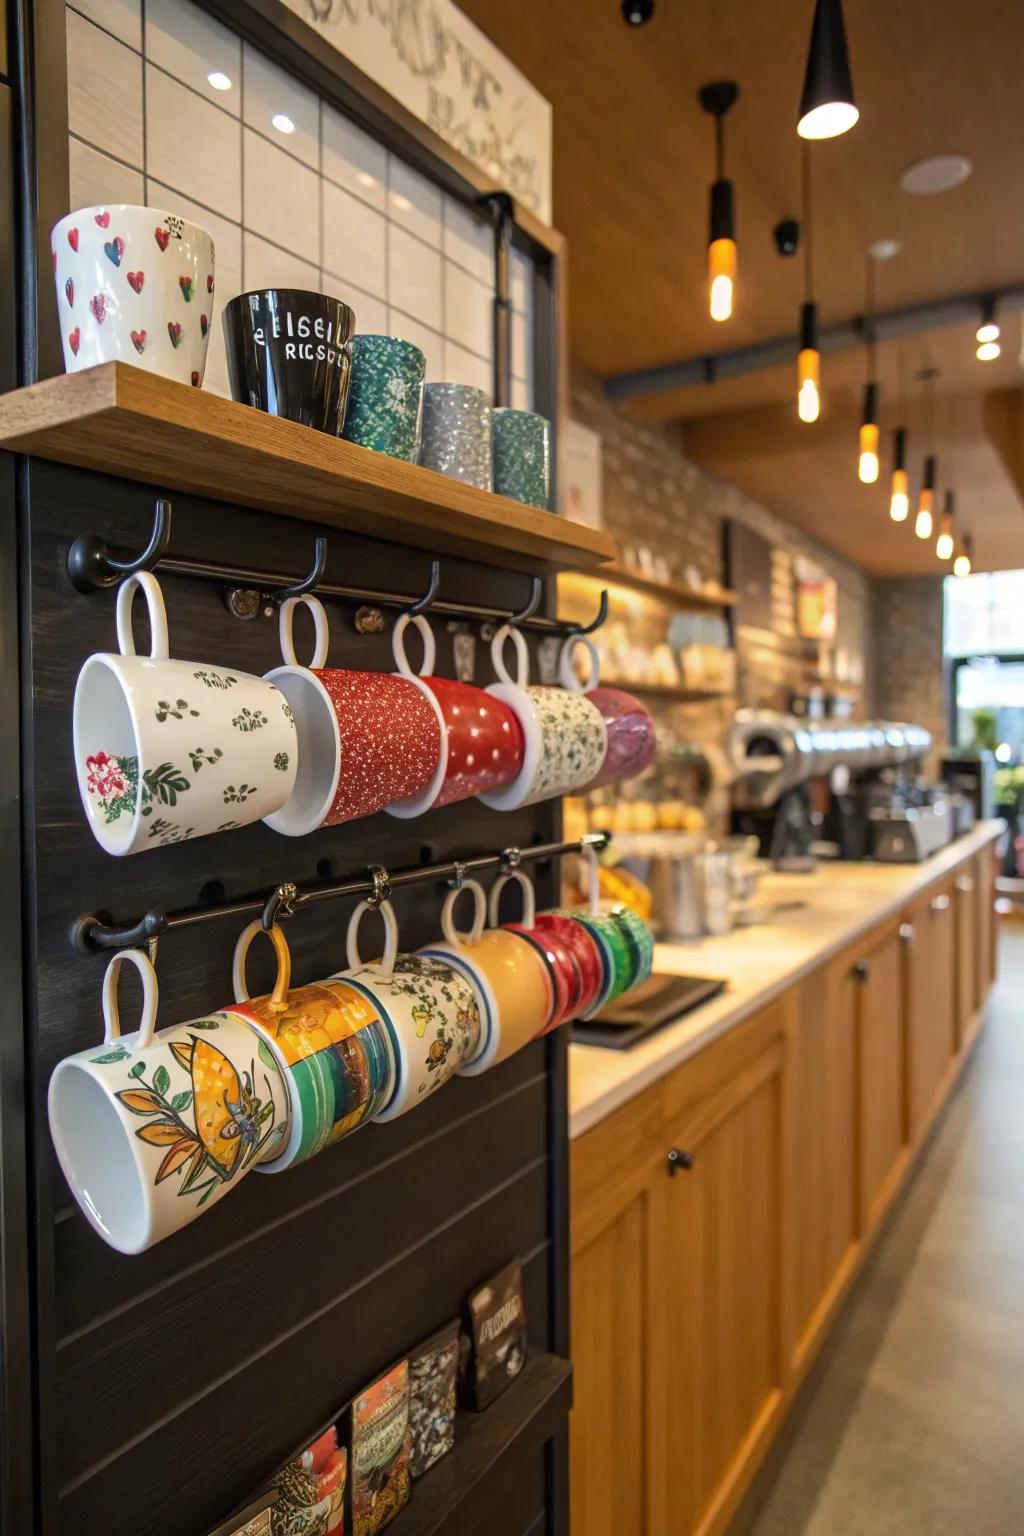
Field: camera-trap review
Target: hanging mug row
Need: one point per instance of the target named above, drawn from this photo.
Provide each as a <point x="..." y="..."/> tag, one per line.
<point x="154" y="1126"/>
<point x="169" y="750"/>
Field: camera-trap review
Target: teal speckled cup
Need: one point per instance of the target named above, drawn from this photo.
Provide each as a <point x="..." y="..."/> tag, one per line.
<point x="385" y="400"/>
<point x="638" y="936"/>
<point x="522" y="456"/>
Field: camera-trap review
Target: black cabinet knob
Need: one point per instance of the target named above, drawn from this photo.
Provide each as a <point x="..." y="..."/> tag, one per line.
<point x="862" y="970"/>
<point x="678" y="1159"/>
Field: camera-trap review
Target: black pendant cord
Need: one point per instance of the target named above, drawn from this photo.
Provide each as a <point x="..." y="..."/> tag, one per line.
<point x="89" y="934"/>
<point x="808" y="228"/>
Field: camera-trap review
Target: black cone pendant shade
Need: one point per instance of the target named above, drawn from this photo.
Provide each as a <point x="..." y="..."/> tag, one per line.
<point x="827" y="107"/>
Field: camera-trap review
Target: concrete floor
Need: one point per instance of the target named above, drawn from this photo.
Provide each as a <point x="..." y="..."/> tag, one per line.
<point x="912" y="1423"/>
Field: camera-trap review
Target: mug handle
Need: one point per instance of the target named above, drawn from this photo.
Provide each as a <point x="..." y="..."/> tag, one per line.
<point x="387" y="965"/>
<point x="150" y="997"/>
<point x="566" y="674"/>
<point x="150" y="588"/>
<point x="589" y="856"/>
<point x="522" y="656"/>
<point x="286" y="621"/>
<point x="448" y="928"/>
<point x="529" y="897"/>
<point x="398" y="645"/>
<point x="239" y="985"/>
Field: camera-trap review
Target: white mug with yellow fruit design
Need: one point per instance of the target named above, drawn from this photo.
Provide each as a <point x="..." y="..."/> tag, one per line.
<point x="153" y="1127"/>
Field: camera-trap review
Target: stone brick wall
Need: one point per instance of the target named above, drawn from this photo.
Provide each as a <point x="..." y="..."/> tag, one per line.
<point x="909" y="673"/>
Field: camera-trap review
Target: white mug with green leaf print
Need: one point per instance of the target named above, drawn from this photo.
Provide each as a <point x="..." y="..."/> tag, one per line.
<point x="152" y="1128"/>
<point x="166" y="750"/>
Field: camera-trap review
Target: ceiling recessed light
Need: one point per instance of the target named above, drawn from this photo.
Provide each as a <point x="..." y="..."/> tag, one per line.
<point x="365" y="179"/>
<point x="282" y="122"/>
<point x="885" y="250"/>
<point x="939" y="173"/>
<point x="219" y="80"/>
<point x="636" y="12"/>
<point x="401" y="202"/>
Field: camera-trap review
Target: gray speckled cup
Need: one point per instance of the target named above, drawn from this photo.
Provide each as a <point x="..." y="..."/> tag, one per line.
<point x="385" y="400"/>
<point x="522" y="456"/>
<point x="457" y="433"/>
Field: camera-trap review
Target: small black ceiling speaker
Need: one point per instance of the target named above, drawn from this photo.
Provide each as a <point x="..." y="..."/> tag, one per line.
<point x="786" y="235"/>
<point x="636" y="12"/>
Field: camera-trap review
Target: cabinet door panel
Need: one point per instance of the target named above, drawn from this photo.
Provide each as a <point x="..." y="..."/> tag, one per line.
<point x="984" y="879"/>
<point x="879" y="1000"/>
<point x="967" y="921"/>
<point x="607" y="1428"/>
<point x="716" y="1363"/>
<point x="822" y="1173"/>
<point x="931" y="1032"/>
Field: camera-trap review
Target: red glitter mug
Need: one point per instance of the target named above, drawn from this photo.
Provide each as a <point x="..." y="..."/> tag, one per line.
<point x="364" y="738"/>
<point x="482" y="743"/>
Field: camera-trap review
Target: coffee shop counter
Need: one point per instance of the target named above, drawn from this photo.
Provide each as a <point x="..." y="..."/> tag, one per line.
<point x="837" y="904"/>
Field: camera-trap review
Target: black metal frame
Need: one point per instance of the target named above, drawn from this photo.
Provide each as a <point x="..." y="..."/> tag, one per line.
<point x="37" y="145"/>
<point x="954" y="664"/>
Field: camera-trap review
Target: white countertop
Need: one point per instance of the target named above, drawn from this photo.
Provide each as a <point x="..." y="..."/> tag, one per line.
<point x="841" y="901"/>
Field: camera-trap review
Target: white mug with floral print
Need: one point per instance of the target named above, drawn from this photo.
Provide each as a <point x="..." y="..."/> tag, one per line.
<point x="134" y="285"/>
<point x="171" y="750"/>
<point x="151" y="1128"/>
<point x="429" y="1009"/>
<point x="566" y="737"/>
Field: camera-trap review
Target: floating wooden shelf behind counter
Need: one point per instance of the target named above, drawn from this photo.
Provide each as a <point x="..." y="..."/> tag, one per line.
<point x="125" y="422"/>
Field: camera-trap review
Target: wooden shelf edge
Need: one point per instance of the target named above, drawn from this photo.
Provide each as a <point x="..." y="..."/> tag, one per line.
<point x="458" y="1492"/>
<point x="678" y="692"/>
<point x="676" y="593"/>
<point x="120" y="420"/>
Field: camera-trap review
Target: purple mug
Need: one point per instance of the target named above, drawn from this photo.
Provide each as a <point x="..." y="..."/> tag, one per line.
<point x="630" y="735"/>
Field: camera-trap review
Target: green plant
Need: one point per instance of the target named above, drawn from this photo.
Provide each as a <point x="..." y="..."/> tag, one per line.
<point x="984" y="737"/>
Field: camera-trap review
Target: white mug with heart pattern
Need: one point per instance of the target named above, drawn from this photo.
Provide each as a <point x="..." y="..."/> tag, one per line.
<point x="134" y="285"/>
<point x="170" y="750"/>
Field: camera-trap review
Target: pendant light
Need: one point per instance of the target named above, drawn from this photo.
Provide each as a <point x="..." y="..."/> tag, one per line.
<point x="899" y="500"/>
<point x="944" y="544"/>
<point x="962" y="563"/>
<point x="925" y="520"/>
<point x="808" y="363"/>
<point x="716" y="99"/>
<point x="827" y="107"/>
<point x="867" y="462"/>
<point x="987" y="334"/>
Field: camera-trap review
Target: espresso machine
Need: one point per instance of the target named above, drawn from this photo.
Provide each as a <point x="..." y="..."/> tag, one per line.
<point x="802" y="784"/>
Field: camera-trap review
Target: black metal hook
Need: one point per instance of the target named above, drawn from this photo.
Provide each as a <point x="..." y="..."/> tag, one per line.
<point x="536" y="593"/>
<point x="426" y="601"/>
<point x="309" y="583"/>
<point x="91" y="566"/>
<point x="602" y="614"/>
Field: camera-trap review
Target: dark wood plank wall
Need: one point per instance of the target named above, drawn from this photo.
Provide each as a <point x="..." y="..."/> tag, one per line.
<point x="171" y="1383"/>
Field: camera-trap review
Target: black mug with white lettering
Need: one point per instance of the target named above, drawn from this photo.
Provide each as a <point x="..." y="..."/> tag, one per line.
<point x="288" y="354"/>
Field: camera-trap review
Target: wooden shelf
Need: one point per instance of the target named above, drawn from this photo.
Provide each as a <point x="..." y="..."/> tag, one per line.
<point x="675" y="593"/>
<point x="674" y="691"/>
<point x="126" y="422"/>
<point x="456" y="1494"/>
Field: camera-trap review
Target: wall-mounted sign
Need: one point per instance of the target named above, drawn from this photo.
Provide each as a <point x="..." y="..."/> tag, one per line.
<point x="580" y="474"/>
<point x="432" y="59"/>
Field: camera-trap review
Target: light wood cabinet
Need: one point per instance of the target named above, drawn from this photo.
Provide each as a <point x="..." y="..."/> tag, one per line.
<point x="877" y="977"/>
<point x="822" y="1080"/>
<point x="931" y="1003"/>
<point x="718" y="1217"/>
<point x="985" y="883"/>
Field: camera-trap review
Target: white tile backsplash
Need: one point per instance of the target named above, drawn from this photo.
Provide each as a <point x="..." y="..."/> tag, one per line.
<point x="104" y="91"/>
<point x="414" y="278"/>
<point x="468" y="311"/>
<point x="462" y="367"/>
<point x="183" y="40"/>
<point x="325" y="207"/>
<point x="355" y="241"/>
<point x="352" y="159"/>
<point x="192" y="145"/>
<point x="121" y="17"/>
<point x="468" y="240"/>
<point x="414" y="202"/>
<point x="267" y="266"/>
<point x="270" y="92"/>
<point x="95" y="178"/>
<point x="282" y="198"/>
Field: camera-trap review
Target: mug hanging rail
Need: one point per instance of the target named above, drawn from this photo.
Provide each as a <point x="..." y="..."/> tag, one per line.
<point x="248" y="592"/>
<point x="89" y="934"/>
